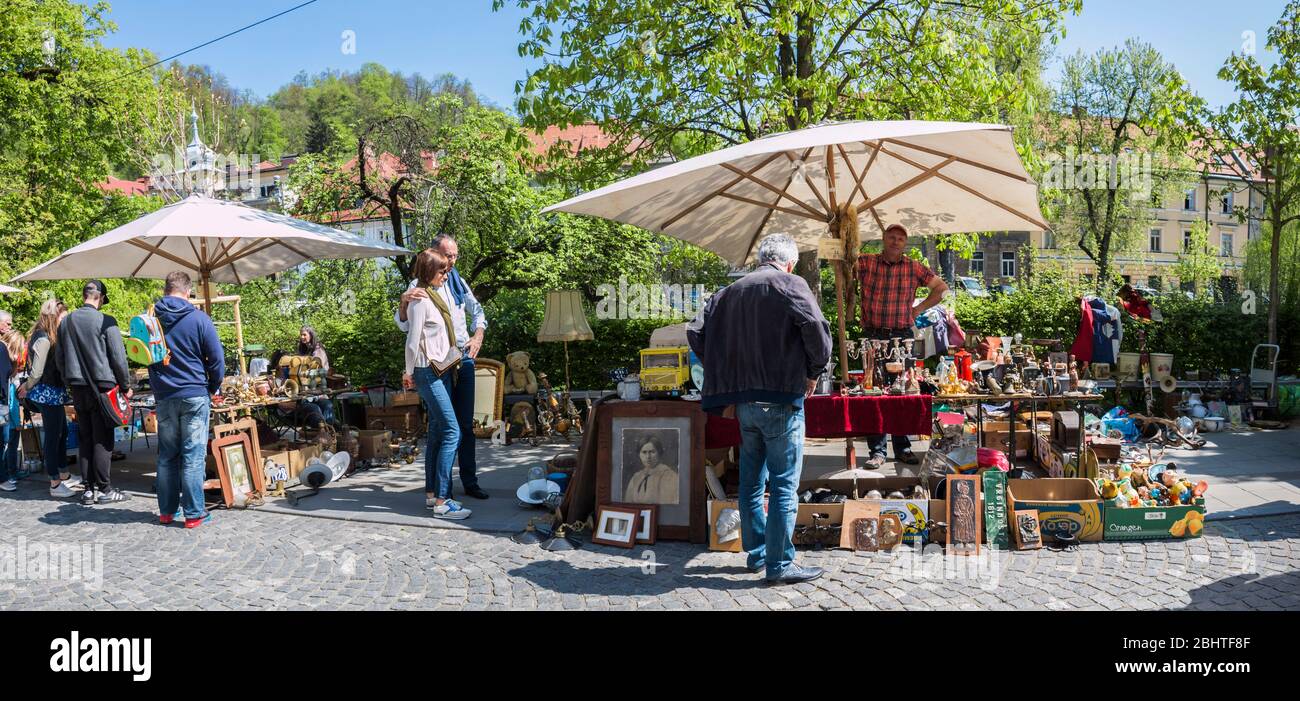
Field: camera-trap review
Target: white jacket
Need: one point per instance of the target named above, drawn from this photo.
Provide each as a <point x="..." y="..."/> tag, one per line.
<point x="426" y="328"/>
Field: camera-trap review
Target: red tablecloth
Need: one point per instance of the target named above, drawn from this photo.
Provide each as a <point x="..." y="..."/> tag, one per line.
<point x="841" y="417"/>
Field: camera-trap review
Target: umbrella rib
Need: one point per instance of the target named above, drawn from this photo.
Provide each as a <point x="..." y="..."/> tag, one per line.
<point x="711" y="195"/>
<point x="754" y="239"/>
<point x="244" y="254"/>
<point x="971" y="190"/>
<point x="815" y="214"/>
<point x="147" y="256"/>
<point x="926" y="174"/>
<point x="773" y="207"/>
<point x="859" y="180"/>
<point x="959" y="159"/>
<point x="154" y="249"/>
<point x="811" y="186"/>
<point x="858" y="186"/>
<point x="231" y="258"/>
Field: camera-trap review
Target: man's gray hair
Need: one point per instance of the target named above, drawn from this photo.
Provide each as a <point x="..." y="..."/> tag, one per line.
<point x="777" y="248"/>
<point x="6" y="316"/>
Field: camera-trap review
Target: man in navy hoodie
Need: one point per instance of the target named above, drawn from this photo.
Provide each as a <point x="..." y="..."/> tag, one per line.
<point x="183" y="388"/>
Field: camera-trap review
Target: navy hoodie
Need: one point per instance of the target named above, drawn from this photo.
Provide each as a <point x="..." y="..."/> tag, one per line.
<point x="198" y="361"/>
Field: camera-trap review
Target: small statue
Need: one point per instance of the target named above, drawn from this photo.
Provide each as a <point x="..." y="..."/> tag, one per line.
<point x="913" y="387"/>
<point x="1074" y="375"/>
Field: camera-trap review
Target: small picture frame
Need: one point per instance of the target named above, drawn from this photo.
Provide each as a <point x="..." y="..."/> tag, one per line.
<point x="647" y="521"/>
<point x="241" y="476"/>
<point x="616" y="526"/>
<point x="1028" y="530"/>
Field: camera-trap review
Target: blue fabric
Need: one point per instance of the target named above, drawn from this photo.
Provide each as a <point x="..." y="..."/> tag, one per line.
<point x="443" y="436"/>
<point x="462" y="399"/>
<point x="1104" y="331"/>
<point x="182" y="453"/>
<point x="771" y="454"/>
<point x="198" y="362"/>
<point x="457" y="286"/>
<point x="55" y="424"/>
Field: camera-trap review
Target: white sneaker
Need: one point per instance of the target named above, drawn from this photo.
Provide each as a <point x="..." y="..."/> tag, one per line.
<point x="451" y="510"/>
<point x="9" y="486"/>
<point x="71" y="480"/>
<point x="63" y="491"/>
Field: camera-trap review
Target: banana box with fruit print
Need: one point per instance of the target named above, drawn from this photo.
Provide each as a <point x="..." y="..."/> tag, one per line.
<point x="1067" y="505"/>
<point x="1155" y="522"/>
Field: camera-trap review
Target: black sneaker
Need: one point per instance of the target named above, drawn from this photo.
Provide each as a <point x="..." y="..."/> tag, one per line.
<point x="476" y="492"/>
<point x="88" y="497"/>
<point x="111" y="495"/>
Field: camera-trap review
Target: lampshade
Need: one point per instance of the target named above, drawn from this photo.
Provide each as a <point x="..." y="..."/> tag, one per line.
<point x="565" y="320"/>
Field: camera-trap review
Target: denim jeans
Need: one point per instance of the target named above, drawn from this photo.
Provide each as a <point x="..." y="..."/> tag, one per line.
<point x="771" y="452"/>
<point x="443" y="436"/>
<point x="55" y="443"/>
<point x="182" y="453"/>
<point x="876" y="443"/>
<point x="462" y="398"/>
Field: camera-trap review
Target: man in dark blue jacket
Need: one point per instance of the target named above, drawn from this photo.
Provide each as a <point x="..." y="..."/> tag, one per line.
<point x="183" y="387"/>
<point x="763" y="342"/>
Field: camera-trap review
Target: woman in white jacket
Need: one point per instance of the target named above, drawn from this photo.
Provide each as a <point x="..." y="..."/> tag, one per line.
<point x="432" y="360"/>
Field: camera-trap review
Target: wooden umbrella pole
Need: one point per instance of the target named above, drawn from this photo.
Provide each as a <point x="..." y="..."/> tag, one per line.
<point x="850" y="451"/>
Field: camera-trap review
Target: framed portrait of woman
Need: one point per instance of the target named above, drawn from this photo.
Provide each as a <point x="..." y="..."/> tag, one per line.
<point x="653" y="453"/>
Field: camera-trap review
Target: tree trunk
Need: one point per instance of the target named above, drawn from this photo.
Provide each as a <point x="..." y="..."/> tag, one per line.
<point x="1103" y="265"/>
<point x="809" y="269"/>
<point x="1274" y="301"/>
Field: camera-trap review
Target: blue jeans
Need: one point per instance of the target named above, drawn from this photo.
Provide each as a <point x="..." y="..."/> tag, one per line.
<point x="462" y="398"/>
<point x="443" y="436"/>
<point x="876" y="444"/>
<point x="55" y="446"/>
<point x="771" y="453"/>
<point x="182" y="452"/>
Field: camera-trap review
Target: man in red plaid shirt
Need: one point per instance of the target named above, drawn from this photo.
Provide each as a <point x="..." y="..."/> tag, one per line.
<point x="887" y="287"/>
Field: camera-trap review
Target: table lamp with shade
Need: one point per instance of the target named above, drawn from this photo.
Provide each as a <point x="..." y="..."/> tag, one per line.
<point x="565" y="321"/>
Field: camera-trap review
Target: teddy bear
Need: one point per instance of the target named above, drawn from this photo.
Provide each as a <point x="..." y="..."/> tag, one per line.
<point x="519" y="379"/>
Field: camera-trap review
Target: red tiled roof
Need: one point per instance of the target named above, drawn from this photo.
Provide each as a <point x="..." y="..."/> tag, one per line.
<point x="125" y="187"/>
<point x="578" y="136"/>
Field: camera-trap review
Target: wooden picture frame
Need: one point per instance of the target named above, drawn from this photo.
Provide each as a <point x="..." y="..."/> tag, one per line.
<point x="239" y="472"/>
<point x="609" y="516"/>
<point x="678" y="427"/>
<point x="716" y="507"/>
<point x="964" y="517"/>
<point x="489" y="390"/>
<point x="1029" y="536"/>
<point x="646" y="523"/>
<point x="856" y="509"/>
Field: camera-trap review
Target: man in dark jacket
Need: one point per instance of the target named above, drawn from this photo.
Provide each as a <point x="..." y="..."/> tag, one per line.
<point x="92" y="359"/>
<point x="763" y="342"/>
<point x="183" y="387"/>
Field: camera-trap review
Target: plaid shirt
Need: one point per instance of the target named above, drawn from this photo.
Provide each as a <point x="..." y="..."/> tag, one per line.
<point x="888" y="289"/>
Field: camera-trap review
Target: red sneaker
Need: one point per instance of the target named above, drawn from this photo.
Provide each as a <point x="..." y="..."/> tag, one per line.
<point x="196" y="522"/>
<point x="166" y="519"/>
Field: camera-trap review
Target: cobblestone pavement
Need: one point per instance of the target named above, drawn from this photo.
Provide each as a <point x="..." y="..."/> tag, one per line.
<point x="243" y="560"/>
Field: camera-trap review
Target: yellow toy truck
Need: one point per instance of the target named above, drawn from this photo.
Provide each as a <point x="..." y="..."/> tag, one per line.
<point x="666" y="371"/>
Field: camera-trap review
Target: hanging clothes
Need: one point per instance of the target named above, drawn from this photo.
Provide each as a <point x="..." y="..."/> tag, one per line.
<point x="1105" y="325"/>
<point x="1119" y="328"/>
<point x="1081" y="349"/>
<point x="956" y="337"/>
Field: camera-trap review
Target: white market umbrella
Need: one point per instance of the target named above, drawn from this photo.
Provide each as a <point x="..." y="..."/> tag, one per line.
<point x="5" y="289"/>
<point x="221" y="241"/>
<point x="931" y="177"/>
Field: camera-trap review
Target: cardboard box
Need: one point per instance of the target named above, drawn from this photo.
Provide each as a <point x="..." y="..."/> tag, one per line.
<point x="1151" y="522"/>
<point x="997" y="433"/>
<point x="1072" y="505"/>
<point x="293" y="456"/>
<point x="401" y="419"/>
<point x="372" y="445"/>
<point x="913" y="513"/>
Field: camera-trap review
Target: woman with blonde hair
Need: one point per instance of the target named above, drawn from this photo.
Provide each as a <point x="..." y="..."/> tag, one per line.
<point x="44" y="388"/>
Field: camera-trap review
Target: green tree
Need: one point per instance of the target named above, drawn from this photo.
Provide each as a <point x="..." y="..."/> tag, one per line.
<point x="1116" y="147"/>
<point x="1198" y="263"/>
<point x="1256" y="137"/>
<point x="663" y="77"/>
<point x="71" y="110"/>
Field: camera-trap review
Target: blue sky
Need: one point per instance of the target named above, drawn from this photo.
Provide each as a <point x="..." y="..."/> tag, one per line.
<point x="466" y="38"/>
